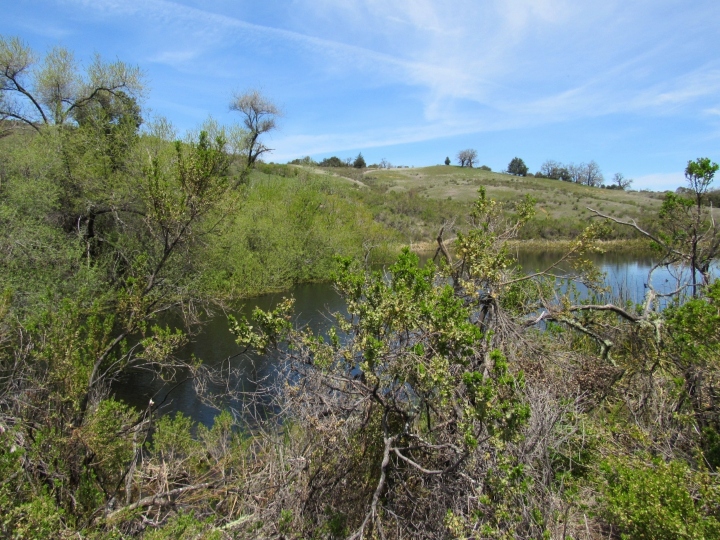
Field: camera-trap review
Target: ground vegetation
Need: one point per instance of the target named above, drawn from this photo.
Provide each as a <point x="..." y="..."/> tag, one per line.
<point x="456" y="415"/>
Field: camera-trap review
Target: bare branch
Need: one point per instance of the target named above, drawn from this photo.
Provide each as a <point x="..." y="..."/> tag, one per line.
<point x="160" y="499"/>
<point x="606" y="307"/>
<point x="635" y="226"/>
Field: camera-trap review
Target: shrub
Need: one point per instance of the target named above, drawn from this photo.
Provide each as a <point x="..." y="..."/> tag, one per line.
<point x="659" y="500"/>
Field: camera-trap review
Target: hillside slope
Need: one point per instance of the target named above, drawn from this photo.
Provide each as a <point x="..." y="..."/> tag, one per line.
<point x="561" y="206"/>
<point x="555" y="199"/>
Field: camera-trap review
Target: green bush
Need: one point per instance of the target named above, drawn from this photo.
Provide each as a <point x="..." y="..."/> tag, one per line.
<point x="659" y="500"/>
<point x="185" y="527"/>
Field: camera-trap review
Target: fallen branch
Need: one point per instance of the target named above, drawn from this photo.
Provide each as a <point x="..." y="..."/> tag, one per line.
<point x="607" y="307"/>
<point x="161" y="499"/>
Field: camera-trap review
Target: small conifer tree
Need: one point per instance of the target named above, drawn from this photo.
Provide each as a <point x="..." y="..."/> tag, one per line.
<point x="359" y="162"/>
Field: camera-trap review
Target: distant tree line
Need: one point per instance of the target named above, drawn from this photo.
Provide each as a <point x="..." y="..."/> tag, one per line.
<point x="588" y="174"/>
<point x="334" y="161"/>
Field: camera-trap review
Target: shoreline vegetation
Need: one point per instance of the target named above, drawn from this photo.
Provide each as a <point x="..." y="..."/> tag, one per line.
<point x="636" y="245"/>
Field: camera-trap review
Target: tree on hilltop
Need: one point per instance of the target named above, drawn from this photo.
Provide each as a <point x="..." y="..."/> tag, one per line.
<point x="447" y="161"/>
<point x="588" y="174"/>
<point x="591" y="174"/>
<point x="359" y="162"/>
<point x="332" y="161"/>
<point x="620" y="182"/>
<point x="467" y="157"/>
<point x="517" y="167"/>
<point x="555" y="170"/>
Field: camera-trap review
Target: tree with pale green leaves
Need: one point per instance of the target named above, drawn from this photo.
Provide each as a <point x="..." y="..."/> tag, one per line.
<point x="259" y="116"/>
<point x="54" y="89"/>
<point x="687" y="233"/>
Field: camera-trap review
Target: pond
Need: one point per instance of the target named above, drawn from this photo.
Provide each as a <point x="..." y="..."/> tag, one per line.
<point x="626" y="274"/>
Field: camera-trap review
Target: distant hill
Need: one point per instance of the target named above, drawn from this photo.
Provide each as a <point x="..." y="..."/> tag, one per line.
<point x="555" y="199"/>
<point x="561" y="206"/>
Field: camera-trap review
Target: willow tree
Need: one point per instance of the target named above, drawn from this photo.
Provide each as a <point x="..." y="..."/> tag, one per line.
<point x="53" y="90"/>
<point x="102" y="230"/>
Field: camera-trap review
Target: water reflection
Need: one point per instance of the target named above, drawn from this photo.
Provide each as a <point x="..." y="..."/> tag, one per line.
<point x="626" y="274"/>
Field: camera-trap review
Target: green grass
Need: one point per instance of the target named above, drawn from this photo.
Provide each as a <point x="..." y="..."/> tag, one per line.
<point x="555" y="199"/>
<point x="417" y="201"/>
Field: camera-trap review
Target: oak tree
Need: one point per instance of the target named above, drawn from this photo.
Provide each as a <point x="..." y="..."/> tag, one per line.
<point x="620" y="182"/>
<point x="517" y="167"/>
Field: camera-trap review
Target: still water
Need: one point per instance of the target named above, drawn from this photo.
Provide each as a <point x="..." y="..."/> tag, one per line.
<point x="626" y="274"/>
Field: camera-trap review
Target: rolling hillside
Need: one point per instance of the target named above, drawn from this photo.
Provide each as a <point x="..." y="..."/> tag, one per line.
<point x="561" y="206"/>
<point x="555" y="199"/>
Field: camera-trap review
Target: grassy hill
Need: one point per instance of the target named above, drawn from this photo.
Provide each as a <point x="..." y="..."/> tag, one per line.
<point x="554" y="198"/>
<point x="561" y="206"/>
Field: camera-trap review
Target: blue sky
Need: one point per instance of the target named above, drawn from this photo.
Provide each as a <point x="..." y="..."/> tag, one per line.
<point x="633" y="84"/>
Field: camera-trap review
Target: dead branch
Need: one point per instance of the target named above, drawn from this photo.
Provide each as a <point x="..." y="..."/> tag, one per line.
<point x="160" y="499"/>
<point x="635" y="226"/>
<point x="442" y="248"/>
<point x="607" y="307"/>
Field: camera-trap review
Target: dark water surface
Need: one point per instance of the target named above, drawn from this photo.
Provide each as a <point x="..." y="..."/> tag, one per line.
<point x="214" y="343"/>
<point x="627" y="274"/>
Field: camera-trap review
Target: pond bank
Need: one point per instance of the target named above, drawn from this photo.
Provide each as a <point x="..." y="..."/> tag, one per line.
<point x="553" y="246"/>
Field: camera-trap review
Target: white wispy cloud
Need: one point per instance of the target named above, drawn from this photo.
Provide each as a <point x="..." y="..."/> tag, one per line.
<point x="213" y="29"/>
<point x="501" y="55"/>
<point x="175" y="57"/>
<point x="688" y="87"/>
<point x="468" y="67"/>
